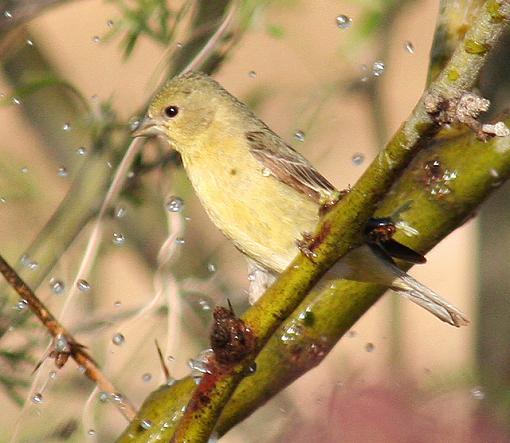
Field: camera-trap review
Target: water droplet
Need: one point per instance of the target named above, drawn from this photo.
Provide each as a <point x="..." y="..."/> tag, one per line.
<point x="118" y="239"/>
<point x="299" y="136"/>
<point x="171" y="358"/>
<point x="117" y="304"/>
<point x="91" y="432"/>
<point x="146" y="424"/>
<point x="409" y="47"/>
<point x="103" y="397"/>
<point x="199" y="365"/>
<point x="147" y="377"/>
<point x="358" y="158"/>
<point x="82" y="369"/>
<point x="24" y="169"/>
<point x="134" y="122"/>
<point x="179" y="45"/>
<point x="27" y="262"/>
<point x="292" y="333"/>
<point x="378" y="68"/>
<point x="52" y="375"/>
<point x="211" y="267"/>
<point x="205" y="305"/>
<point x="81" y="151"/>
<point x="3" y="200"/>
<point x="364" y="73"/>
<point x="21" y="305"/>
<point x="117" y="397"/>
<point x="30" y="42"/>
<point x="266" y="172"/>
<point x="62" y="345"/>
<point x="118" y="339"/>
<point x="8" y="14"/>
<point x="37" y="398"/>
<point x="179" y="241"/>
<point x="57" y="286"/>
<point x="96" y="39"/>
<point x="477" y="393"/>
<point x="83" y="285"/>
<point x="343" y="21"/>
<point x="16" y="101"/>
<point x="252" y="368"/>
<point x="110" y="23"/>
<point x="174" y="204"/>
<point x="252" y="276"/>
<point x="62" y="171"/>
<point x="66" y="126"/>
<point x="369" y="347"/>
<point x="120" y="211"/>
<point x="252" y="74"/>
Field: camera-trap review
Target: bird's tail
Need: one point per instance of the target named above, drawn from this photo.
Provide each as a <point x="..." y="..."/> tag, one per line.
<point x="412" y="289"/>
<point x="369" y="264"/>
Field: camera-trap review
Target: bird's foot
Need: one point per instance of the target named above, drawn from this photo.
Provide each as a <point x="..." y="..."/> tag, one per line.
<point x="380" y="229"/>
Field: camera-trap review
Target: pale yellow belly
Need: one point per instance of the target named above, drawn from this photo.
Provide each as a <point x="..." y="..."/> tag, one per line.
<point x="260" y="214"/>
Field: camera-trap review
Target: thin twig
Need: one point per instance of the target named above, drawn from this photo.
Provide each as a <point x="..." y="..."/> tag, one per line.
<point x="16" y="12"/>
<point x="211" y="44"/>
<point x="55" y="328"/>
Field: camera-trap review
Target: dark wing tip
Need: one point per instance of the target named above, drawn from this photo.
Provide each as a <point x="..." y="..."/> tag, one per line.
<point x="402" y="252"/>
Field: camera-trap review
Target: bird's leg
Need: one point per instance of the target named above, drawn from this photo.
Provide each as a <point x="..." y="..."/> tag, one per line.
<point x="379" y="230"/>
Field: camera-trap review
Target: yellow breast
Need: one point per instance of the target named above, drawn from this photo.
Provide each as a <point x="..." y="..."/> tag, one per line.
<point x="261" y="215"/>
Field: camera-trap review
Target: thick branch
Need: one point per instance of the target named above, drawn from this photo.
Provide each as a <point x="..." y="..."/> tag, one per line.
<point x="71" y="347"/>
<point x="322" y="318"/>
<point x="455" y="17"/>
<point x="340" y="229"/>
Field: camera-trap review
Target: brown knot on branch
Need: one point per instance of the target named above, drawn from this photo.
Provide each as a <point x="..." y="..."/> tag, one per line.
<point x="231" y="339"/>
<point x="464" y="109"/>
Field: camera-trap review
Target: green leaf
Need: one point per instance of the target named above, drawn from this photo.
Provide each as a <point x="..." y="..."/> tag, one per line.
<point x="275" y="31"/>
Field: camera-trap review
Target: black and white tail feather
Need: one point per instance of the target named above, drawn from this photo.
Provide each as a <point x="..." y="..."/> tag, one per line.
<point x="413" y="290"/>
<point x="370" y="263"/>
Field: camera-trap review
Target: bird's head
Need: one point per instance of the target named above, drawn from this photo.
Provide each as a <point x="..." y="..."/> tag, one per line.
<point x="184" y="108"/>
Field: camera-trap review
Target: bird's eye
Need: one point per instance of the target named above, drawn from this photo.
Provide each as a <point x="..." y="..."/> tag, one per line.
<point x="171" y="111"/>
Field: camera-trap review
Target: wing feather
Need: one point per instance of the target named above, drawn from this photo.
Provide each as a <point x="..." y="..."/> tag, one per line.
<point x="289" y="166"/>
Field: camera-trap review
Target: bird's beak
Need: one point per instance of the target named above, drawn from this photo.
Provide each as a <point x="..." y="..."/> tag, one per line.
<point x="148" y="127"/>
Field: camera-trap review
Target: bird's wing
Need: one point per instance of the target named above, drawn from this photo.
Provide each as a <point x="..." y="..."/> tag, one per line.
<point x="289" y="166"/>
<point x="402" y="252"/>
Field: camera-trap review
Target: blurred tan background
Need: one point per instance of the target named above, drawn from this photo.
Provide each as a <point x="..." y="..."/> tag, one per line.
<point x="299" y="84"/>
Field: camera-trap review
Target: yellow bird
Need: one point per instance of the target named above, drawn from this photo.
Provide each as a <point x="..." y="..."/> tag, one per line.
<point x="261" y="193"/>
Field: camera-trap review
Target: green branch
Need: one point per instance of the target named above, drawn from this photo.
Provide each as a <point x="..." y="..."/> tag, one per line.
<point x="322" y="318"/>
<point x="455" y="17"/>
<point x="340" y="229"/>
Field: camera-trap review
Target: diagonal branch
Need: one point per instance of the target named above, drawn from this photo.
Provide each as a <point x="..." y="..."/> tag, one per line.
<point x="340" y="229"/>
<point x="322" y="318"/>
<point x="70" y="346"/>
